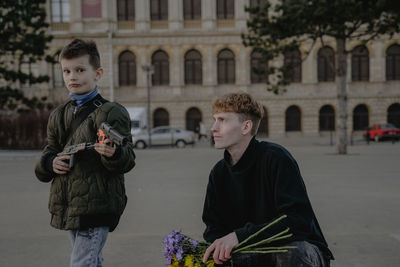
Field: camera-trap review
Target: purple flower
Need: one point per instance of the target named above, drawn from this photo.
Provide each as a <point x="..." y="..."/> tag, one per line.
<point x="194" y="243"/>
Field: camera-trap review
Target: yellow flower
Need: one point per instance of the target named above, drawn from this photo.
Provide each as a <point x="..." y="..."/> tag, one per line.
<point x="210" y="263"/>
<point x="188" y="261"/>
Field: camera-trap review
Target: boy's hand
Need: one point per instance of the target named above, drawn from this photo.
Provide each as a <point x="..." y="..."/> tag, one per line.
<point x="105" y="149"/>
<point x="222" y="248"/>
<point x="59" y="164"/>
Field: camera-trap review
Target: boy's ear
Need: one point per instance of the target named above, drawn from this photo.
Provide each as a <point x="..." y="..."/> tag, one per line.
<point x="99" y="73"/>
<point x="247" y="126"/>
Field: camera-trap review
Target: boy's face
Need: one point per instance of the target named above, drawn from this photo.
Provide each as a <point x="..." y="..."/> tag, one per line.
<point x="79" y="76"/>
<point x="227" y="130"/>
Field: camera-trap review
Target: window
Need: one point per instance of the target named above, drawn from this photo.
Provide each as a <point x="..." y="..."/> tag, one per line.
<point x="292" y="66"/>
<point x="160" y="61"/>
<point x="58" y="81"/>
<point x="263" y="128"/>
<point x="393" y="114"/>
<point x="91" y="8"/>
<point x="159" y="9"/>
<point x="60" y="11"/>
<point x="360" y="118"/>
<point x="393" y="63"/>
<point x="161" y="117"/>
<point x="225" y="9"/>
<point x="259" y="68"/>
<point x="257" y="3"/>
<point x="293" y="119"/>
<point x="326" y="64"/>
<point x="327" y="118"/>
<point x="127" y="68"/>
<point x="226" y="67"/>
<point x="192" y="9"/>
<point x="193" y="68"/>
<point x="360" y="64"/>
<point x="126" y="10"/>
<point x="193" y="119"/>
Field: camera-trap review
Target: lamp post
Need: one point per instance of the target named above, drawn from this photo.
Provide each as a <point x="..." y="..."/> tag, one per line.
<point x="149" y="69"/>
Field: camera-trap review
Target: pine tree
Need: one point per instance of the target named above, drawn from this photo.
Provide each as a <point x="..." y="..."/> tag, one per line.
<point x="283" y="26"/>
<point x="24" y="39"/>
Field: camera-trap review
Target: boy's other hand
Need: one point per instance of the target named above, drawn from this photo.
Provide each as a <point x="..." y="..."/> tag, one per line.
<point x="60" y="165"/>
<point x="105" y="149"/>
<point x="222" y="248"/>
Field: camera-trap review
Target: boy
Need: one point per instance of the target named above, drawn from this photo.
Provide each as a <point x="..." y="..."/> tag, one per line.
<point x="256" y="183"/>
<point x="89" y="198"/>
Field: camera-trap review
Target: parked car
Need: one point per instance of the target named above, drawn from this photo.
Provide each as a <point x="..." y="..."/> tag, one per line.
<point x="379" y="132"/>
<point x="164" y="135"/>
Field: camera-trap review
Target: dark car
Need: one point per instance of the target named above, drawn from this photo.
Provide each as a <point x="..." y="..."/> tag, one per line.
<point x="379" y="132"/>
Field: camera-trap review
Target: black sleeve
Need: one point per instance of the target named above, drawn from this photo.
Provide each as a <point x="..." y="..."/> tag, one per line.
<point x="210" y="214"/>
<point x="290" y="198"/>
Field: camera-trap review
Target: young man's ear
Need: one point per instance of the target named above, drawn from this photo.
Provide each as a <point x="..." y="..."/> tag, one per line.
<point x="247" y="126"/>
<point x="99" y="73"/>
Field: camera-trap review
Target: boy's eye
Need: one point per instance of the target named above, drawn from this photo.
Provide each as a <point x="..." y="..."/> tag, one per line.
<point x="66" y="71"/>
<point x="81" y="70"/>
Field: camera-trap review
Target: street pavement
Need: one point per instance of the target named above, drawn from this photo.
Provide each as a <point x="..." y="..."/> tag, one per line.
<point x="355" y="197"/>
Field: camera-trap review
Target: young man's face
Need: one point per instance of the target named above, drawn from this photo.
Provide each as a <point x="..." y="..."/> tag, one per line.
<point x="79" y="76"/>
<point x="227" y="130"/>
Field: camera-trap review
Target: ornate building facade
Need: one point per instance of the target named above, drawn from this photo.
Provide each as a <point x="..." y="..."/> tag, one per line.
<point x="197" y="53"/>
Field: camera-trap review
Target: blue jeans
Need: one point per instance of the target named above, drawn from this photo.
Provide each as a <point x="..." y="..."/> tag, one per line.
<point x="87" y="246"/>
<point x="305" y="255"/>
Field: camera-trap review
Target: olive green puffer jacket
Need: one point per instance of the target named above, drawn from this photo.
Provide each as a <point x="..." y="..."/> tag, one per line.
<point x="94" y="188"/>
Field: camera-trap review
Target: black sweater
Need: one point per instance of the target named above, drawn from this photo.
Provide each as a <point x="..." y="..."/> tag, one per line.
<point x="263" y="185"/>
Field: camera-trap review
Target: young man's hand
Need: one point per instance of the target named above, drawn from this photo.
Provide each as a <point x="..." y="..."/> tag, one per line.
<point x="59" y="164"/>
<point x="222" y="248"/>
<point x="105" y="149"/>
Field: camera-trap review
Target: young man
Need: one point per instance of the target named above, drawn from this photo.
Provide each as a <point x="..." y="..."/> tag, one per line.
<point x="256" y="183"/>
<point x="89" y="198"/>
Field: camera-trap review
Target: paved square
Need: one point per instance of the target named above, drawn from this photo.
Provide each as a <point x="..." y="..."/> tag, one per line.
<point x="356" y="199"/>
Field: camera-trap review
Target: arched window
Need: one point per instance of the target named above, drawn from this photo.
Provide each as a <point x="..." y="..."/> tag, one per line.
<point x="327" y="118"/>
<point x="263" y="128"/>
<point x="193" y="119"/>
<point x="126" y="10"/>
<point x="159" y="9"/>
<point x="58" y="81"/>
<point x="292" y="65"/>
<point x="160" y="62"/>
<point x="226" y="67"/>
<point x="326" y="64"/>
<point x="193" y="68"/>
<point x="393" y="114"/>
<point x="293" y="119"/>
<point x="259" y="68"/>
<point x="360" y="117"/>
<point x="192" y="9"/>
<point x="225" y="9"/>
<point x="360" y="64"/>
<point x="127" y="68"/>
<point x="160" y="117"/>
<point x="393" y="62"/>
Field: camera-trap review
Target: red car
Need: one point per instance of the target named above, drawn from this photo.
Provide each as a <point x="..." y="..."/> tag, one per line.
<point x="382" y="131"/>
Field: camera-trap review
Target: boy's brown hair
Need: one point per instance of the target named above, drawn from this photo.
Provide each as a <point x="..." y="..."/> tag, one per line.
<point x="243" y="104"/>
<point x="78" y="48"/>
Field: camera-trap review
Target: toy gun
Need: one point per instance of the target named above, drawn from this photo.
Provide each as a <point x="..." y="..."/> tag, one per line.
<point x="106" y="131"/>
<point x="73" y="149"/>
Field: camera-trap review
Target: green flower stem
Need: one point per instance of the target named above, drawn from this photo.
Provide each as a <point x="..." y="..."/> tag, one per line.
<point x="266" y="241"/>
<point x="265" y="252"/>
<point x="260" y="231"/>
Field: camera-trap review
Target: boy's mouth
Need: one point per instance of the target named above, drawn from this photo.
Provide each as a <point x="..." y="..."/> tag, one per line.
<point x="74" y="85"/>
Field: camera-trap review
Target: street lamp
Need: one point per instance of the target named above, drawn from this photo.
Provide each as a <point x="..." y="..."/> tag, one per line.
<point x="149" y="69"/>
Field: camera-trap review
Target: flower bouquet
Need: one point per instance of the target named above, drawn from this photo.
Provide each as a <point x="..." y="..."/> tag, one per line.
<point x="183" y="251"/>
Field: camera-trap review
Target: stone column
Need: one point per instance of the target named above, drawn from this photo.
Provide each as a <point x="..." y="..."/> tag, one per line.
<point x="377" y="62"/>
<point x="142" y="15"/>
<point x="175" y="14"/>
<point x="241" y="15"/>
<point x="76" y="16"/>
<point x="209" y="67"/>
<point x="209" y="14"/>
